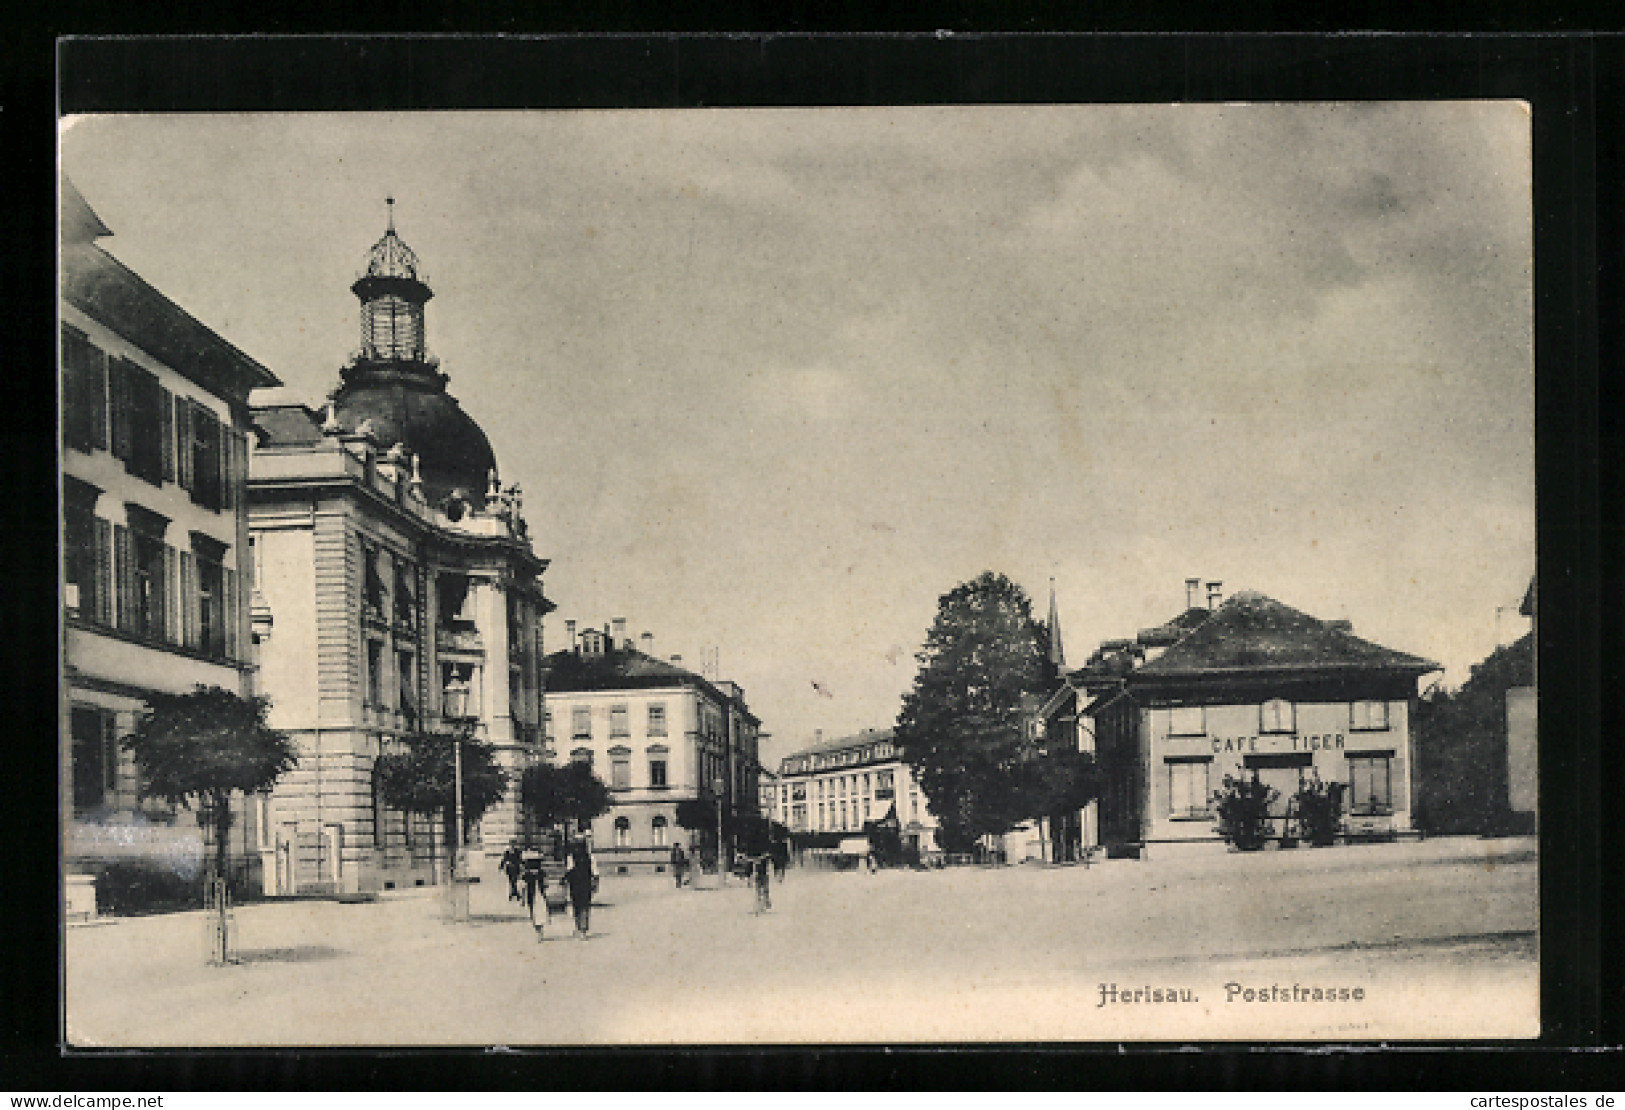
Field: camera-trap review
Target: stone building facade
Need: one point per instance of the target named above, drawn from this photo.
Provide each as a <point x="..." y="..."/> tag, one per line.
<point x="395" y="590"/>
<point x="154" y="539"/>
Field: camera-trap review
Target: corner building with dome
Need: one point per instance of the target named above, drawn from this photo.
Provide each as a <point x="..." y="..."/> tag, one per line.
<point x="394" y="589"/>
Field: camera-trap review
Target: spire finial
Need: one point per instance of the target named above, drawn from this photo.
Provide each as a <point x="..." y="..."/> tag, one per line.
<point x="390" y="201"/>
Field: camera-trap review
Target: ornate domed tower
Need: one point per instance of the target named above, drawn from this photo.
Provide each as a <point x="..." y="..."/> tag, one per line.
<point x="394" y="383"/>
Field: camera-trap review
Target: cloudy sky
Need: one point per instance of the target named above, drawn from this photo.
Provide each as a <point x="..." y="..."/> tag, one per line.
<point x="773" y="381"/>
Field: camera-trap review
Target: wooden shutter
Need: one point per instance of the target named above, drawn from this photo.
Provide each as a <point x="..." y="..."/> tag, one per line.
<point x="97" y="383"/>
<point x="122" y="440"/>
<point x="172" y="584"/>
<point x="161" y="599"/>
<point x="124" y="566"/>
<point x="166" y="421"/>
<point x="191" y="626"/>
<point x="104" y="573"/>
<point x="228" y="578"/>
<point x="183" y="441"/>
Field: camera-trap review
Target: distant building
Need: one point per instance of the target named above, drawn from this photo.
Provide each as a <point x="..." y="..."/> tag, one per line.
<point x="395" y="591"/>
<point x="1523" y="732"/>
<point x="154" y="539"/>
<point x="767" y="795"/>
<point x="1247" y="686"/>
<point x="835" y="787"/>
<point x="658" y="735"/>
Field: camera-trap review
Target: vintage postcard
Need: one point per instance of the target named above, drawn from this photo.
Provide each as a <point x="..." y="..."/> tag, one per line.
<point x="1001" y="573"/>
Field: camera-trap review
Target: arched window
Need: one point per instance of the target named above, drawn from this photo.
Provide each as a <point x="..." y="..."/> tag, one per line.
<point x="657" y="829"/>
<point x="623" y="833"/>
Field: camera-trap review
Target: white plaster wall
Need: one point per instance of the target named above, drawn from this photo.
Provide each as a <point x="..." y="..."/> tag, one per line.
<point x="287" y="658"/>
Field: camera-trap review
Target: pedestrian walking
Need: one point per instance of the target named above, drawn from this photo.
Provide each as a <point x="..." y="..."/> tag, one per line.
<point x="512" y="865"/>
<point x="582" y="879"/>
<point x="760" y="877"/>
<point x="535" y="889"/>
<point x="679" y="863"/>
<point x="781" y="859"/>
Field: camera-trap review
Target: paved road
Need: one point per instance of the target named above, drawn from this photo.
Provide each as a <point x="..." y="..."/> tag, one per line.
<point x="1438" y="937"/>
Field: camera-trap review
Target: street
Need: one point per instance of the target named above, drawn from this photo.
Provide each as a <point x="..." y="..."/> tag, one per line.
<point x="1411" y="940"/>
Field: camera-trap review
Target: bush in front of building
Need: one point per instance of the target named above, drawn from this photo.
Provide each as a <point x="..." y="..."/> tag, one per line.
<point x="1243" y="805"/>
<point x="1319" y="808"/>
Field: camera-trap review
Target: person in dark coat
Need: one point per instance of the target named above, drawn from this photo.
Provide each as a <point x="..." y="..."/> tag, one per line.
<point x="679" y="863"/>
<point x="581" y="878"/>
<point x="781" y="858"/>
<point x="513" y="866"/>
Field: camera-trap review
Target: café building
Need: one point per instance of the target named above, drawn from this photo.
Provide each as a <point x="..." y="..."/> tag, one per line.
<point x="1247" y="686"/>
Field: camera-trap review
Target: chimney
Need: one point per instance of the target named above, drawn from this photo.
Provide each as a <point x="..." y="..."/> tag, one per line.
<point x="620" y="633"/>
<point x="1193" y="593"/>
<point x="677" y="660"/>
<point x="818" y="736"/>
<point x="646" y="643"/>
<point x="570" y="635"/>
<point x="1214" y="594"/>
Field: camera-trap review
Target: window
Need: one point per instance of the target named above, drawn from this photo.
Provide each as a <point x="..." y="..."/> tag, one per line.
<point x="138" y="424"/>
<point x="372" y="596"/>
<point x="1368" y="716"/>
<point x="406" y="595"/>
<point x="85" y="591"/>
<point x="456" y="602"/>
<point x="375" y="673"/>
<point x="205" y="453"/>
<point x="84" y="392"/>
<point x="581" y="721"/>
<point x="657" y="831"/>
<point x="143" y="572"/>
<point x="620" y="768"/>
<point x="1188" y="788"/>
<point x="657" y="772"/>
<point x="407" y="668"/>
<point x="1276" y="715"/>
<point x="547" y="725"/>
<point x="617" y="721"/>
<point x="95" y="758"/>
<point x="657" y="720"/>
<point x="211" y="599"/>
<point x="866" y="784"/>
<point x="1187" y="720"/>
<point x="1370" y="784"/>
<point x="581" y="755"/>
<point x="623" y="833"/>
<point x="866" y="809"/>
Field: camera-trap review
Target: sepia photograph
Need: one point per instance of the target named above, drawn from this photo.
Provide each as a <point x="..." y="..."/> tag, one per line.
<point x="911" y="574"/>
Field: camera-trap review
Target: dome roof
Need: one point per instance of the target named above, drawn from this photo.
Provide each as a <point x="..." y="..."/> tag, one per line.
<point x="414" y="409"/>
<point x="390" y="257"/>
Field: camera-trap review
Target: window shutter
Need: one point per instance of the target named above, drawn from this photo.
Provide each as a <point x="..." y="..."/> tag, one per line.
<point x="124" y="564"/>
<point x="97" y="396"/>
<point x="183" y="441"/>
<point x="104" y="572"/>
<point x="190" y="625"/>
<point x="172" y="584"/>
<point x="120" y="373"/>
<point x="166" y="420"/>
<point x="160" y="592"/>
<point x="229" y="582"/>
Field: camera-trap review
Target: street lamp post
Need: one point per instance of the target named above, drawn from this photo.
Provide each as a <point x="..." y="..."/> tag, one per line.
<point x="456" y="709"/>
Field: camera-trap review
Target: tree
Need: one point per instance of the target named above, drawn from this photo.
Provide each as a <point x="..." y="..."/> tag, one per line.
<point x="555" y="794"/>
<point x="200" y="748"/>
<point x="1244" y="811"/>
<point x="963" y="726"/>
<point x="423" y="779"/>
<point x="1461" y="745"/>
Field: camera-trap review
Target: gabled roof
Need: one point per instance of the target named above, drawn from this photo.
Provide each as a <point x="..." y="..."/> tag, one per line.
<point x="1254" y="633"/>
<point x="109" y="292"/>
<point x="1175" y="630"/>
<point x="571" y="672"/>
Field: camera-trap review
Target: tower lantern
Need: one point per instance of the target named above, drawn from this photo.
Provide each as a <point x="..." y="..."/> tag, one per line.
<point x="392" y="297"/>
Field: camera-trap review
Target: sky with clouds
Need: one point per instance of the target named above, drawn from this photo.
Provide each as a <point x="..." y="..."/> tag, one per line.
<point x="773" y="381"/>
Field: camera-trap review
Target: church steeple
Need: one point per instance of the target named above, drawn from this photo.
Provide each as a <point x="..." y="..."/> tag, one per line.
<point x="392" y="296"/>
<point x="1057" y="655"/>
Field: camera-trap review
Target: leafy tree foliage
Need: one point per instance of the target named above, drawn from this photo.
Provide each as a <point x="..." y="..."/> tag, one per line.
<point x="963" y="726"/>
<point x="1244" y="811"/>
<point x="197" y="749"/>
<point x="423" y="779"/>
<point x="555" y="794"/>
<point x="1461" y="745"/>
